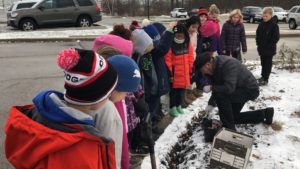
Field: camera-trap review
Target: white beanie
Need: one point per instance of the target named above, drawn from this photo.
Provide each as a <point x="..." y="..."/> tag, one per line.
<point x="142" y="41"/>
<point x="145" y="22"/>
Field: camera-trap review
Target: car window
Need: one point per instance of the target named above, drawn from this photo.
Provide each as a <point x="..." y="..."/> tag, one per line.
<point x="48" y="4"/>
<point x="182" y="10"/>
<point x="65" y="3"/>
<point x="278" y="9"/>
<point x="293" y="10"/>
<point x="256" y="10"/>
<point x="298" y="11"/>
<point x="85" y="3"/>
<point x="25" y="5"/>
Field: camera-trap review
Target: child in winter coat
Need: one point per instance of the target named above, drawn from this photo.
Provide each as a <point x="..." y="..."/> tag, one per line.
<point x="214" y="13"/>
<point x="129" y="79"/>
<point x="59" y="126"/>
<point x="206" y="31"/>
<point x="267" y="36"/>
<point x="108" y="46"/>
<point x="192" y="25"/>
<point x="162" y="40"/>
<point x="179" y="61"/>
<point x="233" y="35"/>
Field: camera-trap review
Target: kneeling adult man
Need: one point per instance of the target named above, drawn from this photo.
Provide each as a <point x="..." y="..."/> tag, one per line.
<point x="232" y="85"/>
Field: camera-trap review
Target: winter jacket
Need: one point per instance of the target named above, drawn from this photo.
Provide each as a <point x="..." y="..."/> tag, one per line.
<point x="233" y="36"/>
<point x="158" y="54"/>
<point x="216" y="38"/>
<point x="267" y="36"/>
<point x="230" y="74"/>
<point x="180" y="62"/>
<point x="149" y="79"/>
<point x="205" y="37"/>
<point x="133" y="114"/>
<point x="50" y="135"/>
<point x="125" y="152"/>
<point x="109" y="122"/>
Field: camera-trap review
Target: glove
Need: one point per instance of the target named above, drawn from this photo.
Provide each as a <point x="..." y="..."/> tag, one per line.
<point x="208" y="109"/>
<point x="146" y="131"/>
<point x="207" y="88"/>
<point x="141" y="108"/>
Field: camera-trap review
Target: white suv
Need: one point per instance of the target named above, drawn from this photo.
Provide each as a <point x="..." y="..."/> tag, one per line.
<point x="293" y="17"/>
<point x="279" y="13"/>
<point x="179" y="12"/>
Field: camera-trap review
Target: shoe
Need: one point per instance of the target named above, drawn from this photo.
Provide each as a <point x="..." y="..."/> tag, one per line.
<point x="269" y="113"/>
<point x="179" y="110"/>
<point x="187" y="100"/>
<point x="174" y="112"/>
<point x="189" y="95"/>
<point x="262" y="82"/>
<point x="198" y="93"/>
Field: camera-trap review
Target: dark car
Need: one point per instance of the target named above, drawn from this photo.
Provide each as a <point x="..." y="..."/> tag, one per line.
<point x="27" y="15"/>
<point x="252" y="14"/>
<point x="193" y="12"/>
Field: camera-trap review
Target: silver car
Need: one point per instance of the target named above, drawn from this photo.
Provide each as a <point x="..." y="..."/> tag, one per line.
<point x="293" y="17"/>
<point x="29" y="14"/>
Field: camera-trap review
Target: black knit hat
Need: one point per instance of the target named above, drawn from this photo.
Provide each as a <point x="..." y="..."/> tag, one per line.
<point x="201" y="60"/>
<point x="192" y="20"/>
<point x="179" y="28"/>
<point x="89" y="78"/>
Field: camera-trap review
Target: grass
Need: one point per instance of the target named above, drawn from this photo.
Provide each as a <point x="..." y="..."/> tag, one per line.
<point x="297" y="113"/>
<point x="272" y="98"/>
<point x="277" y="125"/>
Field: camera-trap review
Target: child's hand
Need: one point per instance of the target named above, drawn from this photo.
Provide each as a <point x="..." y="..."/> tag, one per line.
<point x="171" y="79"/>
<point x="172" y="25"/>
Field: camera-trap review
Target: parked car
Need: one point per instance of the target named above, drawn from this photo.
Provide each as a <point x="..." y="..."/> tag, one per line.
<point x="252" y="14"/>
<point x="28" y="15"/>
<point x="179" y="12"/>
<point x="193" y="12"/>
<point x="293" y="17"/>
<point x="279" y="13"/>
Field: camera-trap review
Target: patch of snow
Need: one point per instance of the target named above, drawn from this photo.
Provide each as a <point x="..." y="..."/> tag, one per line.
<point x="275" y="149"/>
<point x="53" y="34"/>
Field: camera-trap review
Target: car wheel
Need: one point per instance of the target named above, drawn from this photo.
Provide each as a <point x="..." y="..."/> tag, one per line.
<point x="292" y="24"/>
<point x="251" y="20"/>
<point x="27" y="25"/>
<point x="275" y="19"/>
<point x="84" y="21"/>
<point x="284" y="20"/>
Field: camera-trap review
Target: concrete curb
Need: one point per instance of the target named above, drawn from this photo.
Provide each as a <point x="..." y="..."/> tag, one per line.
<point x="249" y="34"/>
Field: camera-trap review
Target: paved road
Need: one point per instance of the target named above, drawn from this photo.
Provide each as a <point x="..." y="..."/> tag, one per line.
<point x="27" y="68"/>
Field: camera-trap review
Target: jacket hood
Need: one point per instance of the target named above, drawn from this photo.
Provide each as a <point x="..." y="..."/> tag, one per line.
<point x="28" y="142"/>
<point x="51" y="105"/>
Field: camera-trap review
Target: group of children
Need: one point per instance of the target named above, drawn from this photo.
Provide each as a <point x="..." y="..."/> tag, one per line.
<point x="113" y="88"/>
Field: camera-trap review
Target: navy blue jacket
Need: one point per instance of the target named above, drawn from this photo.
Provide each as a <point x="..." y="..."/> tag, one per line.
<point x="158" y="57"/>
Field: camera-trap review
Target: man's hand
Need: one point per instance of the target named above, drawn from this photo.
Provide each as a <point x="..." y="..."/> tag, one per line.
<point x="207" y="88"/>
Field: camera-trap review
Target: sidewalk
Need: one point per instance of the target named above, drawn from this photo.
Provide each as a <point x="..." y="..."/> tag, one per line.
<point x="91" y="34"/>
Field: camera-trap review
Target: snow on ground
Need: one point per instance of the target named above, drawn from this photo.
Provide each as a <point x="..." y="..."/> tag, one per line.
<point x="54" y="34"/>
<point x="274" y="150"/>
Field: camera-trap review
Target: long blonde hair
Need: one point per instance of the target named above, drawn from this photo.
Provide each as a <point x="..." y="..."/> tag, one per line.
<point x="236" y="12"/>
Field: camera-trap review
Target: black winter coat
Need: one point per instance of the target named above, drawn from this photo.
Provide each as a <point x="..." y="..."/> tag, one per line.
<point x="230" y="74"/>
<point x="267" y="36"/>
